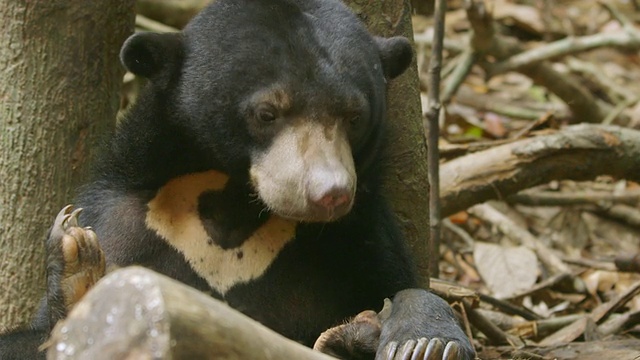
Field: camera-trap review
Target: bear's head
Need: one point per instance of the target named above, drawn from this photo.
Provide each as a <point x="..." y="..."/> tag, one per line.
<point x="289" y="94"/>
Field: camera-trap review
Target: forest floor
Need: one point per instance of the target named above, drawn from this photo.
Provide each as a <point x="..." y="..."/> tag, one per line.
<point x="554" y="263"/>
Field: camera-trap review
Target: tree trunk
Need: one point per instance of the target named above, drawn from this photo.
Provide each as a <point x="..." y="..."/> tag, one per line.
<point x="59" y="92"/>
<point x="406" y="183"/>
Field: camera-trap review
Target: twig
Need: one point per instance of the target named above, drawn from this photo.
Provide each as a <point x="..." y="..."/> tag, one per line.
<point x="613" y="114"/>
<point x="461" y="233"/>
<point x="625" y="213"/>
<point x="573" y="331"/>
<point x="465" y="96"/>
<point x="567" y="46"/>
<point x="433" y="134"/>
<point x="594" y="73"/>
<point x="452" y="292"/>
<point x="461" y="71"/>
<point x="493" y="332"/>
<point x="615" y="325"/>
<point x="548" y="198"/>
<point x="543" y="327"/>
<point x="589" y="263"/>
<point x="604" y="310"/>
<point x="539" y="122"/>
<point x="526" y="354"/>
<point x="460" y="306"/>
<point x="451" y="151"/>
<point x="508" y="308"/>
<point x="626" y="23"/>
<point x="576" y="284"/>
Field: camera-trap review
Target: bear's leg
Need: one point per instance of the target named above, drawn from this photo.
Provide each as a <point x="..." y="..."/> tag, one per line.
<point x="75" y="262"/>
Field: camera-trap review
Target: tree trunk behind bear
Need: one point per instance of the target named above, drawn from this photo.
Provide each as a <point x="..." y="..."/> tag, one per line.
<point x="406" y="182"/>
<point x="59" y="93"/>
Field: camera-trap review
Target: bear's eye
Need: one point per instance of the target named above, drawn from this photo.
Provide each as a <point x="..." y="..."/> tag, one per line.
<point x="354" y="120"/>
<point x="266" y="115"/>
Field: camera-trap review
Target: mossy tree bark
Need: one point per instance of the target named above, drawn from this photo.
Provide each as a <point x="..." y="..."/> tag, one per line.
<point x="407" y="181"/>
<point x="58" y="95"/>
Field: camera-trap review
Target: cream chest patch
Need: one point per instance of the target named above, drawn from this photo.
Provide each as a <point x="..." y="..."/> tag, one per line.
<point x="173" y="215"/>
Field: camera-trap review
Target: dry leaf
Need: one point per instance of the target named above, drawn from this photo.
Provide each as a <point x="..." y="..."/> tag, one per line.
<point x="506" y="270"/>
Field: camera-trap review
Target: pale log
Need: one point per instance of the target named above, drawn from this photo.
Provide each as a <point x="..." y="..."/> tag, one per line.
<point x="135" y="313"/>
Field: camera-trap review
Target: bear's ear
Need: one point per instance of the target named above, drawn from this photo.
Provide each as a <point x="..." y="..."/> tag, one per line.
<point x="152" y="55"/>
<point x="396" y="55"/>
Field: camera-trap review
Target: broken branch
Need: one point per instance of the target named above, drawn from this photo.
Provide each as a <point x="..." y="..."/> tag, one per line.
<point x="579" y="152"/>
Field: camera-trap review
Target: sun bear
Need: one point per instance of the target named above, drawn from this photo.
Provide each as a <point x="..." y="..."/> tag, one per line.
<point x="250" y="168"/>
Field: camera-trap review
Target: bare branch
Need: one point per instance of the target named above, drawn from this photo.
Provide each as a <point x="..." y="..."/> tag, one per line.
<point x="462" y="70"/>
<point x="567" y="46"/>
<point x="433" y="134"/>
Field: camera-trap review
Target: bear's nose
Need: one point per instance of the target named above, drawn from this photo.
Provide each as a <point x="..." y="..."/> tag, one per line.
<point x="330" y="190"/>
<point x="333" y="198"/>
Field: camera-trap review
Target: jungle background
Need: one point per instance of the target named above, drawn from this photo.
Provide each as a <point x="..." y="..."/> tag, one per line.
<point x="539" y="155"/>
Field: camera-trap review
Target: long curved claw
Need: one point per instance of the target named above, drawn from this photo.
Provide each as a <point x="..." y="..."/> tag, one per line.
<point x="389" y="351"/>
<point x="451" y="351"/>
<point x="71" y="220"/>
<point x="406" y="350"/>
<point x="434" y="350"/>
<point x="420" y="349"/>
<point x="57" y="231"/>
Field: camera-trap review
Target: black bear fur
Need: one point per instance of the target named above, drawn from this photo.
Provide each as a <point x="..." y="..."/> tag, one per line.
<point x="198" y="113"/>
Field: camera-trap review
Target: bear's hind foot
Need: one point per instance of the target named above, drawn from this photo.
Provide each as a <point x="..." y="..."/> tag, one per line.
<point x="75" y="262"/>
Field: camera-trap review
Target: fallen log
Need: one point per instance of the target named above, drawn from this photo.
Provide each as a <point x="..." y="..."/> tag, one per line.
<point x="579" y="152"/>
<point x="135" y="313"/>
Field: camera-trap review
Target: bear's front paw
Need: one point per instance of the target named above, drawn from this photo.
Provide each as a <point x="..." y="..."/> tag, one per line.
<point x="75" y="262"/>
<point x="422" y="349"/>
<point x="417" y="324"/>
